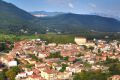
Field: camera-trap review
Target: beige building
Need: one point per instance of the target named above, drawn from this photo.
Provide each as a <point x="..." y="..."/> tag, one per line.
<point x="80" y="40"/>
<point x="49" y="74"/>
<point x="90" y="44"/>
<point x="64" y="75"/>
<point x="83" y="41"/>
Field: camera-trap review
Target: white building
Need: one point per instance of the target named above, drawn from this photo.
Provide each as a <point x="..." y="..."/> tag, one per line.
<point x="12" y="63"/>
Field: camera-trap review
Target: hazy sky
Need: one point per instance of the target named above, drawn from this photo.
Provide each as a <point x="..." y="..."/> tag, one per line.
<point x="111" y="7"/>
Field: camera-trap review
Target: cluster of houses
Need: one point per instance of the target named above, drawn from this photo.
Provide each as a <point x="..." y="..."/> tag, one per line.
<point x="75" y="58"/>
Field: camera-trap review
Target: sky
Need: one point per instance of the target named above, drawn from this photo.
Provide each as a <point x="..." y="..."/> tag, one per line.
<point x="110" y="7"/>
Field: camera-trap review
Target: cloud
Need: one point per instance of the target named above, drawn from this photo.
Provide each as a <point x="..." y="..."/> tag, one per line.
<point x="92" y="5"/>
<point x="71" y="5"/>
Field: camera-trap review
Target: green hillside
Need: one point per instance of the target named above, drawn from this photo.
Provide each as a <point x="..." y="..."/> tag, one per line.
<point x="17" y="21"/>
<point x="77" y="23"/>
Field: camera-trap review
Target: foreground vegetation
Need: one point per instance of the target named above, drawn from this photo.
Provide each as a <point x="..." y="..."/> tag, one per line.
<point x="59" y="38"/>
<point x="47" y="37"/>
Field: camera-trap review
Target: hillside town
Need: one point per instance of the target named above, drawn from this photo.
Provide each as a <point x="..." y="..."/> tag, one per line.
<point x="39" y="60"/>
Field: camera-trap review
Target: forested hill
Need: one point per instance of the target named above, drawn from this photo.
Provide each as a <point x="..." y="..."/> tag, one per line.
<point x="12" y="15"/>
<point x="76" y="22"/>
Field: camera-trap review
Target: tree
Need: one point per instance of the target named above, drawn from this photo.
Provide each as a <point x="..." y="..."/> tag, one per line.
<point x="55" y="55"/>
<point x="2" y="46"/>
<point x="2" y="75"/>
<point x="81" y="76"/>
<point x="10" y="74"/>
<point x="99" y="50"/>
<point x="16" y="69"/>
<point x="91" y="48"/>
<point x="29" y="66"/>
<point x="63" y="67"/>
<point x="114" y="69"/>
<point x="90" y="76"/>
<point x="66" y="58"/>
<point x="35" y="58"/>
<point x="110" y="61"/>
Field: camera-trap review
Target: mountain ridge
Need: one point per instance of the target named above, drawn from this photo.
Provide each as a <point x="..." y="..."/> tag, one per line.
<point x="76" y="21"/>
<point x="17" y="19"/>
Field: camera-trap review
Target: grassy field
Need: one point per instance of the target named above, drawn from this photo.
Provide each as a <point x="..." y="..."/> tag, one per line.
<point x="66" y="38"/>
<point x="46" y="37"/>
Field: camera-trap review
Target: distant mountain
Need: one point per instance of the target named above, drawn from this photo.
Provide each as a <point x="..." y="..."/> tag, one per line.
<point x="107" y="15"/>
<point x="15" y="20"/>
<point x="71" y="23"/>
<point x="45" y="14"/>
